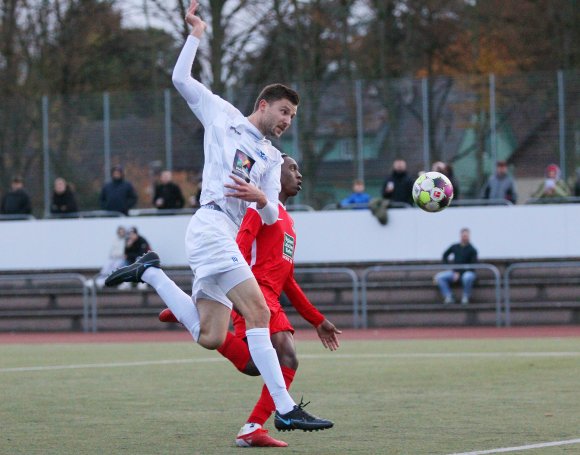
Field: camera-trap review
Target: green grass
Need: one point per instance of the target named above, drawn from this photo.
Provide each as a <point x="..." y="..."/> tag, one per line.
<point x="386" y="397"/>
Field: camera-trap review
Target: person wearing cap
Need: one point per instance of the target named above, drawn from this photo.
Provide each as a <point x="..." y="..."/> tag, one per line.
<point x="552" y="186"/>
<point x="118" y="195"/>
<point x="500" y="185"/>
<point x="16" y="201"/>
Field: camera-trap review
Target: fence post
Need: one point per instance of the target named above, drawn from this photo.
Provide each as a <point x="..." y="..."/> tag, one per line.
<point x="296" y="144"/>
<point x="107" y="136"/>
<point x="168" y="133"/>
<point x="359" y="129"/>
<point x="562" y="124"/>
<point x="46" y="156"/>
<point x="426" y="123"/>
<point x="492" y="121"/>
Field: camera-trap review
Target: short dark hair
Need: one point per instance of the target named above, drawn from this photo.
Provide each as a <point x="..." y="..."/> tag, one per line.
<point x="275" y="92"/>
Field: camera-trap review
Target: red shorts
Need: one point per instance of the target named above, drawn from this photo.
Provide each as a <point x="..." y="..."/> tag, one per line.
<point x="278" y="321"/>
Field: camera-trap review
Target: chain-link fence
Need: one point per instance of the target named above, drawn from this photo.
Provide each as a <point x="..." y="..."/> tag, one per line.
<point x="344" y="130"/>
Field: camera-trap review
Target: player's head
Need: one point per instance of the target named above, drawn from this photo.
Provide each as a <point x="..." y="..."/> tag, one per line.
<point x="464" y="234"/>
<point x="290" y="178"/>
<point x="274" y="109"/>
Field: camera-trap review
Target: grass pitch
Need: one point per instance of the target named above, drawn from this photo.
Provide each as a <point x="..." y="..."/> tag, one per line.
<point x="385" y="397"/>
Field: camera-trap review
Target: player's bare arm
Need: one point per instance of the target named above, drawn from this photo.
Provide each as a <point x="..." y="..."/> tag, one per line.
<point x="245" y="191"/>
<point x="197" y="25"/>
<point x="327" y="332"/>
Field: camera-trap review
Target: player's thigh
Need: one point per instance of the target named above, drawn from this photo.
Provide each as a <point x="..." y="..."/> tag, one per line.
<point x="214" y="322"/>
<point x="250" y="303"/>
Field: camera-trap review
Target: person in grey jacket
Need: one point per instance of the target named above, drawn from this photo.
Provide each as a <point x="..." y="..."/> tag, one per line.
<point x="500" y="185"/>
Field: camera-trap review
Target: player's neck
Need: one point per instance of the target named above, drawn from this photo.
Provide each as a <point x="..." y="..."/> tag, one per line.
<point x="252" y="118"/>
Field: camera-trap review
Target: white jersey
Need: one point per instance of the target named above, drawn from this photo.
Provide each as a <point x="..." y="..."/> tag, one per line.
<point x="232" y="145"/>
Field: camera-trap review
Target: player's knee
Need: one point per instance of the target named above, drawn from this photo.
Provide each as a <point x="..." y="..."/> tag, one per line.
<point x="259" y="316"/>
<point x="210" y="340"/>
<point x="251" y="369"/>
<point x="289" y="359"/>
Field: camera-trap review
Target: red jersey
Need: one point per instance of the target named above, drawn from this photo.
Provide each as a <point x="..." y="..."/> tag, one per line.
<point x="269" y="250"/>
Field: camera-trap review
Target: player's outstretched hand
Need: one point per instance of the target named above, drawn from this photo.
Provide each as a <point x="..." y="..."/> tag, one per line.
<point x="246" y="191"/>
<point x="197" y="25"/>
<point x="327" y="332"/>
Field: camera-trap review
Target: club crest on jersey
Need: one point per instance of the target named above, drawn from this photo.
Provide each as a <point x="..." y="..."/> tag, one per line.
<point x="242" y="165"/>
<point x="288" y="248"/>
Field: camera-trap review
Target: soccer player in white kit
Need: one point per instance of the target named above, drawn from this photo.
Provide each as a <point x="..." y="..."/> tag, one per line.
<point x="241" y="167"/>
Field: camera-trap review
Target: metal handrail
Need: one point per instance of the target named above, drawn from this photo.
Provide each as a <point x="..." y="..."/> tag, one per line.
<point x="554" y="200"/>
<point x="355" y="286"/>
<point x="365" y="205"/>
<point x="161" y="212"/>
<point x="430" y="267"/>
<point x="478" y="202"/>
<point x="526" y="265"/>
<point x="299" y="208"/>
<point x="85" y="286"/>
<point x="16" y="217"/>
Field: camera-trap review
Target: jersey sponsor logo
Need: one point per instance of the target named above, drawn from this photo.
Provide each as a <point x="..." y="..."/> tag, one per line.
<point x="288" y="247"/>
<point x="235" y="130"/>
<point x="242" y="165"/>
<point x="234" y="259"/>
<point x="262" y="155"/>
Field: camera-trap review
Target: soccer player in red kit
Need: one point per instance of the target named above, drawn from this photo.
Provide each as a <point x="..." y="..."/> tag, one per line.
<point x="269" y="250"/>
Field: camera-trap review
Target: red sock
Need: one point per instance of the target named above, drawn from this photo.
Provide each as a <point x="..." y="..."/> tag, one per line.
<point x="236" y="351"/>
<point x="265" y="405"/>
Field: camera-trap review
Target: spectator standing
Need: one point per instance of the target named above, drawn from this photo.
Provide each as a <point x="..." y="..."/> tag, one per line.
<point x="118" y="195"/>
<point x="358" y="197"/>
<point x="16" y="201"/>
<point x="577" y="183"/>
<point x="500" y="185"/>
<point x="447" y="170"/>
<point x="398" y="187"/>
<point x="463" y="253"/>
<point x="553" y="186"/>
<point x="63" y="198"/>
<point x="167" y="195"/>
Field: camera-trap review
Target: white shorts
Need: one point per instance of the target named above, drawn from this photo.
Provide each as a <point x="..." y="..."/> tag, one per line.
<point x="214" y="256"/>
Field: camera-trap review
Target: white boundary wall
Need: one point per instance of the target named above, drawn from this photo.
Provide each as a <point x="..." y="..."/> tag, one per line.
<point x="516" y="232"/>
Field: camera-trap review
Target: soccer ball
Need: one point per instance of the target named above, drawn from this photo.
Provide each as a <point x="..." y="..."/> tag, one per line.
<point x="432" y="191"/>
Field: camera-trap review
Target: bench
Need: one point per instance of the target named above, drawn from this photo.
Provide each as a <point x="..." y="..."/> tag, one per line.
<point x="46" y="295"/>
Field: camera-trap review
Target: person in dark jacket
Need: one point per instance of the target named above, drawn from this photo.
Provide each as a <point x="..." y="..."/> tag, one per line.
<point x="463" y="253"/>
<point x="118" y="195"/>
<point x="135" y="245"/>
<point x="167" y="194"/>
<point x="63" y="198"/>
<point x="398" y="187"/>
<point x="16" y="201"/>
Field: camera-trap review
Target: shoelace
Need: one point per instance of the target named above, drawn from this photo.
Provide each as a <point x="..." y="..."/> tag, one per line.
<point x="302" y="405"/>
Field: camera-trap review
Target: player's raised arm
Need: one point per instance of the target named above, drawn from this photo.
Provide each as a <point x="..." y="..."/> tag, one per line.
<point x="187" y="86"/>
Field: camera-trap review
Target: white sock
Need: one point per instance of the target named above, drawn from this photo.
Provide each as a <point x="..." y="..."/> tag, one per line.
<point x="249" y="428"/>
<point x="180" y="304"/>
<point x="265" y="358"/>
